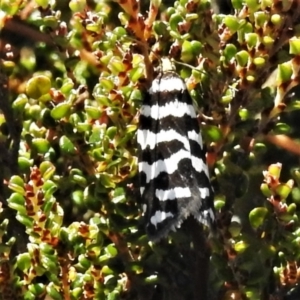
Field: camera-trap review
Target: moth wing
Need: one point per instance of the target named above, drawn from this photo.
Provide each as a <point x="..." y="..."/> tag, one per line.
<point x="173" y="173"/>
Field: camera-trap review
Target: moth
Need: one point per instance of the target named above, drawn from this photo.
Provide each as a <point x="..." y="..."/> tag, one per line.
<point x="174" y="178"/>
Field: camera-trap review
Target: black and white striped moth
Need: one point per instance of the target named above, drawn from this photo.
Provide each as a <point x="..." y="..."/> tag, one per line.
<point x="174" y="178"/>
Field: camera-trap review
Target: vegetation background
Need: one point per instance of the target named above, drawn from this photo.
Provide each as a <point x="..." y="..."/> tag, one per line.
<point x="71" y="83"/>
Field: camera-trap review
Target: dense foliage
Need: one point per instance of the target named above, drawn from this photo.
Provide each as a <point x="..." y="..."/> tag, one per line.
<point x="72" y="80"/>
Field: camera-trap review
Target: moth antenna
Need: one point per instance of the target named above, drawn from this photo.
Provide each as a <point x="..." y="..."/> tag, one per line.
<point x="189" y="66"/>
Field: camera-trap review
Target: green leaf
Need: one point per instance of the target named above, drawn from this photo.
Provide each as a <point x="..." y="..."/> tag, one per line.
<point x="242" y="58"/>
<point x="92" y="111"/>
<point x="16" y="201"/>
<point x="187" y="54"/>
<point x="231" y="22"/>
<point x="38" y="86"/>
<point x="111" y="250"/>
<point x="283" y="190"/>
<point x="52" y="292"/>
<point x="24" y="164"/>
<point x="36" y="289"/>
<point x="41" y="145"/>
<point x="25" y="220"/>
<point x="251" y="39"/>
<point x="257" y="216"/>
<point x="66" y="145"/>
<point x="294" y="46"/>
<point x="60" y="111"/>
<point x="160" y="28"/>
<point x="47" y="169"/>
<point x="24" y="261"/>
<point x="285" y="72"/>
<point x="175" y="19"/>
<point x="16" y="184"/>
<point x="212" y="133"/>
<point x="230" y="51"/>
<point x="240" y="246"/>
<point x="20" y="102"/>
<point x="106" y="181"/>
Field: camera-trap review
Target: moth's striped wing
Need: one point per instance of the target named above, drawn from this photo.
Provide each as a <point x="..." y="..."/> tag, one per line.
<point x="174" y="179"/>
